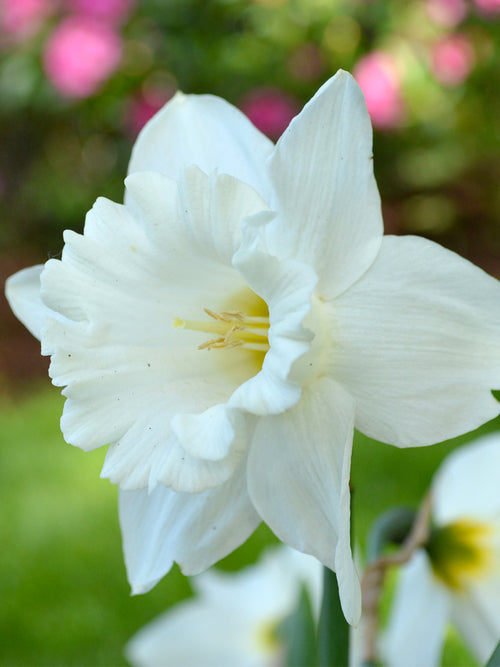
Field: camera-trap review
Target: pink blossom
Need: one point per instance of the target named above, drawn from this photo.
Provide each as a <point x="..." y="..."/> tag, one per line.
<point x="80" y="55"/>
<point x="380" y="82"/>
<point x="270" y="110"/>
<point x="113" y="11"/>
<point x="22" y="18"/>
<point x="447" y="12"/>
<point x="452" y="59"/>
<point x="488" y="6"/>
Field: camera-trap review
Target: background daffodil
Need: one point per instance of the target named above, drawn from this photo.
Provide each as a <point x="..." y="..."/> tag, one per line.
<point x="234" y="619"/>
<point x="456" y="577"/>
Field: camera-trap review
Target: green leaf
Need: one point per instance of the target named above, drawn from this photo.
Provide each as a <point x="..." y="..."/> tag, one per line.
<point x="298" y="634"/>
<point x="494" y="661"/>
<point x="333" y="629"/>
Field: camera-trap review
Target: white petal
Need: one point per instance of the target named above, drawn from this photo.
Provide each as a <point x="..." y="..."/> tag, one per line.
<point x="206" y="131"/>
<point x="204" y="224"/>
<point x="286" y="286"/>
<point x="194" y="530"/>
<point x="149" y="452"/>
<point x="130" y="263"/>
<point x="127" y="370"/>
<point x="105" y="281"/>
<point x="298" y="480"/>
<point x="476" y="614"/>
<point x="270" y="588"/>
<point x="328" y="204"/>
<point x="129" y="395"/>
<point x="210" y="434"/>
<point x="22" y="291"/>
<point x="224" y="624"/>
<point x="197" y="633"/>
<point x="415" y="634"/>
<point x="467" y="483"/>
<point x="417" y="343"/>
<point x="148" y="449"/>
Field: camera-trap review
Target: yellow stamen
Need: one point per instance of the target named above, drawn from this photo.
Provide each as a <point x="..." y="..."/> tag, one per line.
<point x="461" y="552"/>
<point x="234" y="328"/>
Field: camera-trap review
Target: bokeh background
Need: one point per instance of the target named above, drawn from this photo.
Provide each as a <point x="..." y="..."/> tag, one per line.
<point x="78" y="79"/>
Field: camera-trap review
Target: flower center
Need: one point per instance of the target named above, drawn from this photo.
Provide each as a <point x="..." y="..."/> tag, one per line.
<point x="267" y="637"/>
<point x="233" y="329"/>
<point x="460" y="552"/>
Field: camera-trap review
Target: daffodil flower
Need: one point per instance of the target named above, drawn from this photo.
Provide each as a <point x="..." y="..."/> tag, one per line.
<point x="227" y="328"/>
<point x="234" y="618"/>
<point x="456" y="578"/>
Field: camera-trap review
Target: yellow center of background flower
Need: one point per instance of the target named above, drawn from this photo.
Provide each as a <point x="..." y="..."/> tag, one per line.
<point x="461" y="552"/>
<point x="267" y="638"/>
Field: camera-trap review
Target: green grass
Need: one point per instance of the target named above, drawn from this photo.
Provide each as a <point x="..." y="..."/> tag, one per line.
<point x="64" y="597"/>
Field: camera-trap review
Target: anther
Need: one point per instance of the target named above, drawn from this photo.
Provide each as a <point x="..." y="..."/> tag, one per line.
<point x="235" y="329"/>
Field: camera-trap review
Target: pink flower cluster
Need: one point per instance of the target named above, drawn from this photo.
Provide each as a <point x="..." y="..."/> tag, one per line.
<point x="112" y="11"/>
<point x="85" y="48"/>
<point x="81" y="54"/>
<point x="450" y="13"/>
<point x="21" y="19"/>
<point x="488" y="7"/>
<point x="380" y="82"/>
<point x="447" y="13"/>
<point x="452" y="59"/>
<point x="270" y="110"/>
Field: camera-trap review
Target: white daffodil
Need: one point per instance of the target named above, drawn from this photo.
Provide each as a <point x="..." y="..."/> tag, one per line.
<point x="228" y="326"/>
<point x="457" y="577"/>
<point x="234" y="617"/>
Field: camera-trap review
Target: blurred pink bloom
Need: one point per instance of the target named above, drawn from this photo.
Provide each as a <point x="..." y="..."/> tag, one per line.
<point x="270" y="110"/>
<point x="81" y="54"/>
<point x="452" y="59"/>
<point x="113" y="11"/>
<point x="143" y="107"/>
<point x="488" y="6"/>
<point x="380" y="82"/>
<point x="447" y="12"/>
<point x="22" y="18"/>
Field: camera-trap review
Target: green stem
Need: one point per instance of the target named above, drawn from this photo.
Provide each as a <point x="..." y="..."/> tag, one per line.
<point x="333" y="629"/>
<point x="494" y="661"/>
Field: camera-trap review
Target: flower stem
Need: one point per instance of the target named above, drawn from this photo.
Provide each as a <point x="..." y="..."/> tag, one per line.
<point x="374" y="577"/>
<point x="333" y="629"/>
<point x="494" y="660"/>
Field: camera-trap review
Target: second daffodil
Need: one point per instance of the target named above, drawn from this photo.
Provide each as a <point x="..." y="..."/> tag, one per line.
<point x="456" y="577"/>
<point x="236" y="617"/>
<point x="227" y="328"/>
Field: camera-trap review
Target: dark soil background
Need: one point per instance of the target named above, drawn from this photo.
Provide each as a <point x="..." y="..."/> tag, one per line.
<point x="20" y="358"/>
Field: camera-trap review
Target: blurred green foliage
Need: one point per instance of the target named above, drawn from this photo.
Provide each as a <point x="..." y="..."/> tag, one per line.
<point x="437" y="167"/>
